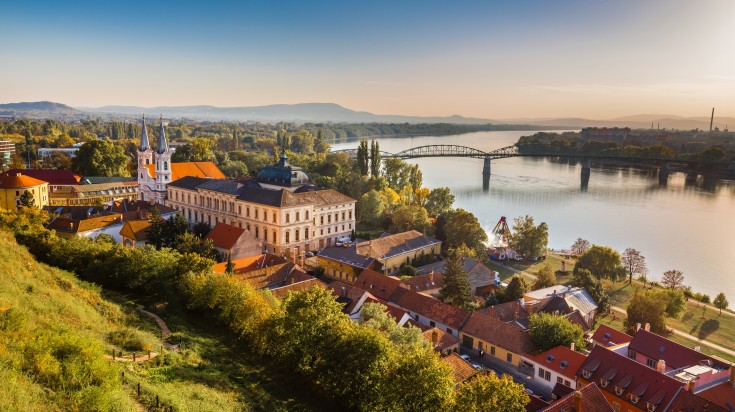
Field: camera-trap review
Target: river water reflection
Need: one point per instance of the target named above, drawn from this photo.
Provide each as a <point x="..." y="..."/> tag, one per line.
<point x="688" y="224"/>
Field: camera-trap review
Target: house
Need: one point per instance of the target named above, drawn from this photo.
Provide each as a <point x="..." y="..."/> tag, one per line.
<point x="352" y="298"/>
<point x="555" y="366"/>
<point x="722" y="395"/>
<point x="265" y="271"/>
<point x="587" y="399"/>
<point x="629" y="385"/>
<point x="378" y="285"/>
<point x="608" y="337"/>
<point x="56" y="178"/>
<point x="234" y="242"/>
<point x="394" y="250"/>
<point x="93" y="194"/>
<point x="429" y="284"/>
<point x="563" y="300"/>
<point x="515" y="311"/>
<point x="14" y="186"/>
<point x="441" y="341"/>
<point x="478" y="274"/>
<point x="504" y="341"/>
<point x="462" y="371"/>
<point x="299" y="284"/>
<point x="344" y="264"/>
<point x="429" y="311"/>
<point x="135" y="233"/>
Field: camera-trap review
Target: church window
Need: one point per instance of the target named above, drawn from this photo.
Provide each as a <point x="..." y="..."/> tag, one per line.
<point x="274" y="217"/>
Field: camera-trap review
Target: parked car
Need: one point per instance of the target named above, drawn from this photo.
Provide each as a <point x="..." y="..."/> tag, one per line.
<point x="476" y="366"/>
<point x="465" y="357"/>
<point x="309" y="254"/>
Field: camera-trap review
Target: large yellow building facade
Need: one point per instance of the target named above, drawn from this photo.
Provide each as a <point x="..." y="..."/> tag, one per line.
<point x="12" y="187"/>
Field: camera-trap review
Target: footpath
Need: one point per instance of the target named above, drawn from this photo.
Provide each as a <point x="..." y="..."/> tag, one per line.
<point x="621" y="310"/>
<point x="165" y="331"/>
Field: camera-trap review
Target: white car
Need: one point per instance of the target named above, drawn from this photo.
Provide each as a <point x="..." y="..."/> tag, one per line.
<point x="465" y="357"/>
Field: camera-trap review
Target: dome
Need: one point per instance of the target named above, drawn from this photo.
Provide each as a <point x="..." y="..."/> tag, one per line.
<point x="283" y="174"/>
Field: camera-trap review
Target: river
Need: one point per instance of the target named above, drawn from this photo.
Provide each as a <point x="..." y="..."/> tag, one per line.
<point x="688" y="225"/>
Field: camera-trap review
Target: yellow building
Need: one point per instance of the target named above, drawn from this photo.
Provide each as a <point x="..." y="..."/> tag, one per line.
<point x="394" y="250"/>
<point x="503" y="341"/>
<point x="94" y="194"/>
<point x="12" y="187"/>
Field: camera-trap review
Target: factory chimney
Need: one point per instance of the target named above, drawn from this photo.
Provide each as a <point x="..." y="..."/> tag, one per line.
<point x="712" y="119"/>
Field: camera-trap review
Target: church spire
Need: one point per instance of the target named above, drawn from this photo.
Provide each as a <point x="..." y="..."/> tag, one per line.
<point x="162" y="142"/>
<point x="144" y="145"/>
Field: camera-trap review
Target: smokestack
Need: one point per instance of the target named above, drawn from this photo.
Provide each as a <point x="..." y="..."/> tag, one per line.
<point x="571" y="346"/>
<point x="578" y="401"/>
<point x="712" y="119"/>
<point x="647" y="327"/>
<point x="661" y="366"/>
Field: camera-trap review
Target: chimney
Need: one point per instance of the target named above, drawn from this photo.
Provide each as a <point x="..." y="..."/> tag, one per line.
<point x="732" y="375"/>
<point x="71" y="225"/>
<point x="661" y="366"/>
<point x="647" y="327"/>
<point x="431" y="276"/>
<point x="571" y="346"/>
<point x="515" y="315"/>
<point x="637" y="327"/>
<point x="690" y="385"/>
<point x="578" y="401"/>
<point x="344" y="291"/>
<point x="492" y="312"/>
<point x="434" y="337"/>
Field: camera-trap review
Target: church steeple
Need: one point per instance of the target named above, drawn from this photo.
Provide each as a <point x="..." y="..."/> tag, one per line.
<point x="162" y="142"/>
<point x="144" y="145"/>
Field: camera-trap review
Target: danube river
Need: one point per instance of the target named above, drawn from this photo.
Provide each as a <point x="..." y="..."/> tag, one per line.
<point x="688" y="225"/>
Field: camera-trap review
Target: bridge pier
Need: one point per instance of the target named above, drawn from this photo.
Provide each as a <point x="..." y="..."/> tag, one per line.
<point x="663" y="175"/>
<point x="486" y="167"/>
<point x="585" y="175"/>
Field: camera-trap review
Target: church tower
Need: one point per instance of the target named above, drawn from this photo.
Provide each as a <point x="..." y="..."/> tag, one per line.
<point x="163" y="164"/>
<point x="145" y="157"/>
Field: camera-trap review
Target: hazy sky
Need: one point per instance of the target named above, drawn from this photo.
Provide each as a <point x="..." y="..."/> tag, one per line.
<point x="487" y="59"/>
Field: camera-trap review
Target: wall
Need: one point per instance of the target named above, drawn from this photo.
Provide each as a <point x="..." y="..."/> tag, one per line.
<point x="395" y="262"/>
<point x="8" y="197"/>
<point x="487" y="347"/>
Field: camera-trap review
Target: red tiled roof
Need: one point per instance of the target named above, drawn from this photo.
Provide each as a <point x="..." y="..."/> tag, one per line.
<point x="429" y="307"/>
<point x="443" y="339"/>
<point x="136" y="229"/>
<point x="508" y="336"/>
<point x="675" y="355"/>
<point x="714" y="399"/>
<point x="536" y="404"/>
<point x="55" y="177"/>
<point x="281" y="292"/>
<point x="377" y="284"/>
<point x="347" y="294"/>
<point x="636" y="378"/>
<point x="461" y="369"/>
<point x="18" y="181"/>
<point x="421" y="283"/>
<point x="250" y="263"/>
<point x="553" y="359"/>
<point x="607" y="336"/>
<point x="196" y="169"/>
<point x="225" y="236"/>
<point x="592" y="401"/>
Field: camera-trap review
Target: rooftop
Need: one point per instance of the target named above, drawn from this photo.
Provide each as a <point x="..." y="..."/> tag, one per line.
<point x="194" y="169"/>
<point x="136" y="229"/>
<point x="461" y="369"/>
<point x="439" y="339"/>
<point x="591" y="400"/>
<point x="225" y="236"/>
<point x="346" y="255"/>
<point x="18" y="181"/>
<point x="560" y="359"/>
<point x="377" y="284"/>
<point x="429" y="307"/>
<point x="608" y="336"/>
<point x="54" y="177"/>
<point x="509" y="336"/>
<point x="675" y="355"/>
<point x="394" y="245"/>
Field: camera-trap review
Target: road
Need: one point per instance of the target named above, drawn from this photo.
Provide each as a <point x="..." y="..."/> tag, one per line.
<point x="500" y="368"/>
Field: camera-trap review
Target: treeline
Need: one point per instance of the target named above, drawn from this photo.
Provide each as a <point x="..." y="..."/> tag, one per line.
<point x="374" y="365"/>
<point x="332" y="131"/>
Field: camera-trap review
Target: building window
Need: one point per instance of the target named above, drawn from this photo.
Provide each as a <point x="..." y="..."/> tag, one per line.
<point x="274" y="217"/>
<point x="165" y="165"/>
<point x="651" y="363"/>
<point x="265" y="235"/>
<point x="274" y="236"/>
<point x="239" y="210"/>
<point x="509" y="357"/>
<point x="296" y="235"/>
<point x="603" y="383"/>
<point x="288" y="218"/>
<point x="616" y="407"/>
<point x="329" y="219"/>
<point x="631" y="354"/>
<point x="559" y="380"/>
<point x="567" y="383"/>
<point x="288" y="237"/>
<point x="247" y="211"/>
<point x="586" y="374"/>
<point x="257" y="232"/>
<point x="350" y="215"/>
<point x="618" y="390"/>
<point x="306" y="233"/>
<point x="450" y="331"/>
<point x="321" y="219"/>
<point x="492" y="350"/>
<point x="633" y="399"/>
<point x="432" y="323"/>
<point x="540" y="372"/>
<point x="343" y="216"/>
<point x="307" y="215"/>
<point x="297" y="216"/>
<point x="650" y="407"/>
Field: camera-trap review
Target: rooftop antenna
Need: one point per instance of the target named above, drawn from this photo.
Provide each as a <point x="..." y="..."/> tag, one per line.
<point x="712" y="119"/>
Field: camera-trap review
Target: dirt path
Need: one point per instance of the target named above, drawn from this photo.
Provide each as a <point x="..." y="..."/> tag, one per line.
<point x="165" y="331"/>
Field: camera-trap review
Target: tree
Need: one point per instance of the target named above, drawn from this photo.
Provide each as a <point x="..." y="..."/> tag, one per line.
<point x="488" y="392"/>
<point x="675" y="302"/>
<point x="371" y="207"/>
<point x="229" y="266"/>
<point x="174" y="228"/>
<point x="157" y="229"/>
<point x="234" y="168"/>
<point x="59" y="160"/>
<point x="410" y="218"/>
<point x="646" y="306"/>
<point x="585" y="279"/>
<point x="375" y="159"/>
<point x="26" y="199"/>
<point x="462" y="227"/>
<point x="456" y="287"/>
<point x="529" y="239"/>
<point x="602" y="261"/>
<point x="101" y="158"/>
<point x="439" y="201"/>
<point x="672" y="279"/>
<point x="548" y="331"/>
<point x="363" y="158"/>
<point x="580" y="246"/>
<point x="517" y="287"/>
<point x="634" y="262"/>
<point x="406" y="270"/>
<point x="545" y="277"/>
<point x="199" y="150"/>
<point x="720" y="302"/>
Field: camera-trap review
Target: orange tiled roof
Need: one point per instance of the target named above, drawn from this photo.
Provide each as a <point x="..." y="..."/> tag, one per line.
<point x="136" y="229"/>
<point x="443" y="339"/>
<point x="461" y="369"/>
<point x="281" y="292"/>
<point x="607" y="336"/>
<point x="196" y="169"/>
<point x="561" y="360"/>
<point x="225" y="236"/>
<point x="18" y="181"/>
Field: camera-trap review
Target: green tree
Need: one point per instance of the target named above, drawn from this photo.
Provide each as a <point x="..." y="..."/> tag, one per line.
<point x="675" y="302"/>
<point x="375" y="159"/>
<point x="234" y="168"/>
<point x="191" y="243"/>
<point x="488" y="392"/>
<point x="646" y="306"/>
<point x="517" y="287"/>
<point x="371" y="207"/>
<point x="26" y="199"/>
<point x="157" y="229"/>
<point x="101" y="158"/>
<point x="720" y="302"/>
<point x="174" y="227"/>
<point x="439" y="201"/>
<point x="456" y="287"/>
<point x="410" y="218"/>
<point x="229" y="266"/>
<point x="580" y="246"/>
<point x="635" y="263"/>
<point x="585" y="279"/>
<point x="363" y="158"/>
<point x="602" y="261"/>
<point x="545" y="277"/>
<point x="529" y="239"/>
<point x="462" y="227"/>
<point x="548" y="331"/>
<point x="199" y="150"/>
<point x="672" y="279"/>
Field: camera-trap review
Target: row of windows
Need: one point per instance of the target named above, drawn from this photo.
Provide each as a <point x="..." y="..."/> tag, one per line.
<point x="329" y="217"/>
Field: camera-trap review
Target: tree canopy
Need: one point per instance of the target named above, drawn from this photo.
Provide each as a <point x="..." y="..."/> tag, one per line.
<point x="528" y="238"/>
<point x="462" y="227"/>
<point x="720" y="302"/>
<point x="488" y="392"/>
<point x="634" y="262"/>
<point x="101" y="158"/>
<point x="548" y="331"/>
<point x="545" y="277"/>
<point x="585" y="279"/>
<point x="602" y="261"/>
<point x="456" y="287"/>
<point x="672" y="279"/>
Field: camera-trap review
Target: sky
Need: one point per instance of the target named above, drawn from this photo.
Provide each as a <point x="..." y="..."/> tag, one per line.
<point x="494" y="60"/>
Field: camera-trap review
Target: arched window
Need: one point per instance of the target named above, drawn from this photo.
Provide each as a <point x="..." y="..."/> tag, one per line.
<point x="307" y="215"/>
<point x="297" y="216"/>
<point x="288" y="237"/>
<point x="288" y="218"/>
<point x="247" y="226"/>
<point x="165" y="165"/>
<point x="274" y="217"/>
<point x="265" y="235"/>
<point x="297" y="235"/>
<point x="257" y="232"/>
<point x="306" y="233"/>
<point x="274" y="237"/>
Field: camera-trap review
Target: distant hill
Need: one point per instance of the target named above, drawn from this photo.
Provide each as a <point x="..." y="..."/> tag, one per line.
<point x="50" y="107"/>
<point x="302" y="113"/>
